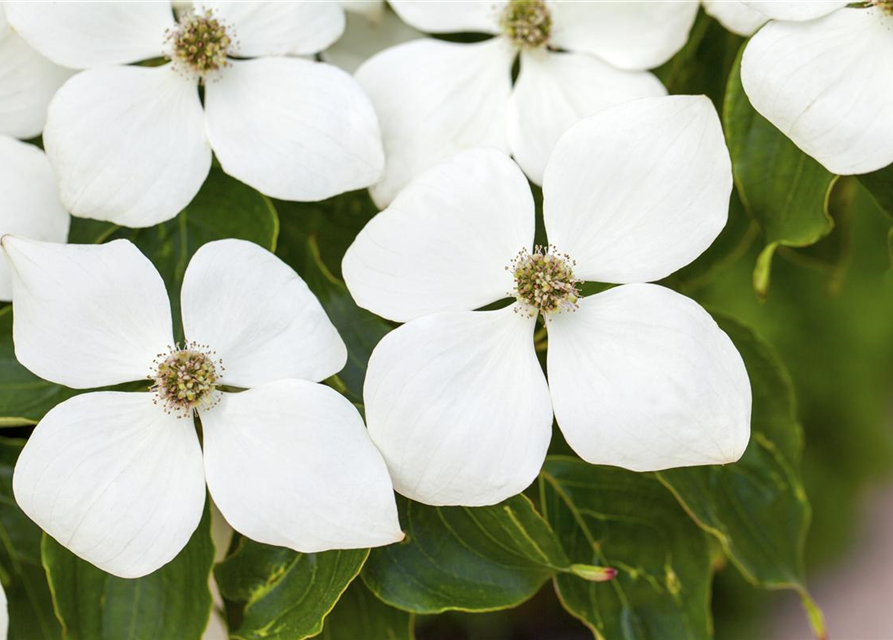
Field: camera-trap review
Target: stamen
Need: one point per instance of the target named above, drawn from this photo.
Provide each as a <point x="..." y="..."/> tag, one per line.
<point x="184" y="380"/>
<point x="527" y="23"/>
<point x="544" y="281"/>
<point x="200" y="43"/>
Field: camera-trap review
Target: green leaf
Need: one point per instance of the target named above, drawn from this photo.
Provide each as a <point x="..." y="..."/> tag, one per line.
<point x="31" y="614"/>
<point x="286" y="594"/>
<point x="757" y="507"/>
<point x="359" y="615"/>
<point x="880" y="185"/>
<point x="781" y="187"/>
<point x="617" y="518"/>
<point x="172" y="602"/>
<point x="469" y="559"/>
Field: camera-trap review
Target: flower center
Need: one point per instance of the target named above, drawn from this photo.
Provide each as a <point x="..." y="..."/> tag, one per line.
<point x="200" y="42"/>
<point x="884" y="5"/>
<point x="185" y="379"/>
<point x="544" y="281"/>
<point x="527" y="23"/>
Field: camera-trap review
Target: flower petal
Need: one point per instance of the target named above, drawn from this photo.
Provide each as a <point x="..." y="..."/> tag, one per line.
<point x="446" y="240"/>
<point x="458" y="406"/>
<point x="159" y="169"/>
<point x="736" y="16"/>
<point x="113" y="479"/>
<point x="369" y="30"/>
<point x="29" y="201"/>
<point x="639" y="190"/>
<point x="433" y="100"/>
<point x="4" y="614"/>
<point x="258" y="315"/>
<point x="27" y="82"/>
<point x="88" y="34"/>
<point x="828" y="86"/>
<point x="451" y="16"/>
<point x="86" y="315"/>
<point x="628" y="35"/>
<point x="795" y="10"/>
<point x="293" y="129"/>
<point x="280" y="28"/>
<point x="556" y="90"/>
<point x="290" y="464"/>
<point x="643" y="378"/>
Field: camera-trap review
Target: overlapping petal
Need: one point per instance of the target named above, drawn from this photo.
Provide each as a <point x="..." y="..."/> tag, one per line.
<point x="293" y="129"/>
<point x="795" y="10"/>
<point x="451" y="16"/>
<point x="115" y="480"/>
<point x="290" y="464"/>
<point x="827" y="85"/>
<point x="258" y="315"/>
<point x="458" y="406"/>
<point x="736" y="16"/>
<point x="435" y="99"/>
<point x="369" y="29"/>
<point x="86" y="315"/>
<point x="128" y="144"/>
<point x="446" y="240"/>
<point x="641" y="377"/>
<point x="554" y="91"/>
<point x="639" y="190"/>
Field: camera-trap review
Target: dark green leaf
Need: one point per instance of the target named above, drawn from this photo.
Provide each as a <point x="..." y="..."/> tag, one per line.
<point x="617" y="518"/>
<point x="172" y="602"/>
<point x="471" y="559"/>
<point x="359" y="615"/>
<point x="757" y="507"/>
<point x="31" y="614"/>
<point x="781" y="187"/>
<point x="286" y="594"/>
<point x="880" y="185"/>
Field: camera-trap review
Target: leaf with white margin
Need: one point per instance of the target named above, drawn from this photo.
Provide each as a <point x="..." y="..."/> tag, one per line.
<point x="638" y="190"/>
<point x="795" y="10"/>
<point x="114" y="479"/>
<point x="434" y="99"/>
<point x="757" y="508"/>
<point x="616" y="518"/>
<point x="627" y="35"/>
<point x="446" y="241"/>
<point x="164" y="161"/>
<point x="459" y="407"/>
<point x="451" y="16"/>
<point x="29" y="201"/>
<point x="173" y="602"/>
<point x="781" y="187"/>
<point x="457" y="558"/>
<point x="87" y="315"/>
<point x="293" y="129"/>
<point x="286" y="594"/>
<point x="257" y="315"/>
<point x="555" y="90"/>
<point x="827" y="86"/>
<point x="642" y="378"/>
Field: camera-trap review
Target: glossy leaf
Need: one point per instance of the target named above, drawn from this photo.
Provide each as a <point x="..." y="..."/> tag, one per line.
<point x="360" y="615"/>
<point x="757" y="507"/>
<point x="173" y="602"/>
<point x="285" y="595"/>
<point x="471" y="559"/>
<point x="627" y="520"/>
<point x="781" y="187"/>
<point x="30" y="605"/>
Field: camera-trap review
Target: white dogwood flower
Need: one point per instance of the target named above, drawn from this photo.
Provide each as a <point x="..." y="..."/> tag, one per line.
<point x="435" y="98"/>
<point x="119" y="477"/>
<point x="27" y="82"/>
<point x="821" y="73"/>
<point x="639" y="376"/>
<point x="132" y="144"/>
<point x="29" y="200"/>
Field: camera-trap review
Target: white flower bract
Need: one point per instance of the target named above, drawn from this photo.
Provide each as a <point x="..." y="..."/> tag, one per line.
<point x="118" y="477"/>
<point x="639" y="376"/>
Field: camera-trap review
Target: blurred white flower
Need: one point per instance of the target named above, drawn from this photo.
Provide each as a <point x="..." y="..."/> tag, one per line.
<point x="370" y="28"/>
<point x="119" y="478"/>
<point x="639" y="376"/>
<point x="821" y="73"/>
<point x="132" y="144"/>
<point x="435" y="98"/>
<point x="29" y="200"/>
<point x="27" y="82"/>
<point x="735" y="15"/>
